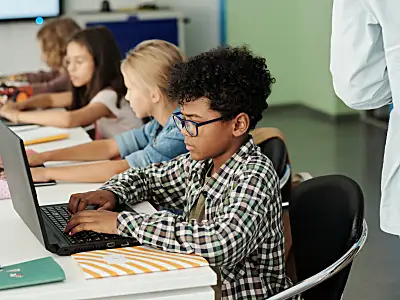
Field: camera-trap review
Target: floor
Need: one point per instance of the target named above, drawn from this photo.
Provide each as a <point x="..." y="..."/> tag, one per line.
<point x="354" y="149"/>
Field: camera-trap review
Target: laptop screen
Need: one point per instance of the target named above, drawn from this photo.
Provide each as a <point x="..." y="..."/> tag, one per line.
<point x="19" y="180"/>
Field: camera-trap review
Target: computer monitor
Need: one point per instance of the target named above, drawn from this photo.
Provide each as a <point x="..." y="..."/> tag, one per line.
<point x="29" y="9"/>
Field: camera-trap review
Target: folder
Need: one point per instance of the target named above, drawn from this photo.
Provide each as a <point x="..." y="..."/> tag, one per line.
<point x="34" y="272"/>
<point x="134" y="260"/>
<point x="42" y="135"/>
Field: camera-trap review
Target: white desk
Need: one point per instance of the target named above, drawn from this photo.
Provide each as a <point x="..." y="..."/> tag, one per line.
<point x="18" y="244"/>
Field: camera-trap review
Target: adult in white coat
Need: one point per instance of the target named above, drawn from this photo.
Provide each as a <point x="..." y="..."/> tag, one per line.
<point x="365" y="65"/>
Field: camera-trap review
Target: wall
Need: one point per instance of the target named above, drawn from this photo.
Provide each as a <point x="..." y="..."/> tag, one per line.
<point x="92" y="5"/>
<point x="294" y="36"/>
<point x="202" y="33"/>
<point x="313" y="45"/>
<point x="21" y="52"/>
<point x="267" y="27"/>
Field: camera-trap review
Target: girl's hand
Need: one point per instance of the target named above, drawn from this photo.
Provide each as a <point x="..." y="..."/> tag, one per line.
<point x="14" y="105"/>
<point x="9" y="113"/>
<point x="35" y="159"/>
<point x="39" y="175"/>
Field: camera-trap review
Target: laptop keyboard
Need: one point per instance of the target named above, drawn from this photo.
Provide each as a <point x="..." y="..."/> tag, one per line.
<point x="59" y="216"/>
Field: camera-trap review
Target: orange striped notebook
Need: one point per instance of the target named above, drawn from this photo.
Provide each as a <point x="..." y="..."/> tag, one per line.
<point x="133" y="260"/>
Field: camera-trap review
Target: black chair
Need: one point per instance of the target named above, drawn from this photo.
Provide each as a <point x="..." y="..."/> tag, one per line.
<point x="277" y="152"/>
<point x="328" y="231"/>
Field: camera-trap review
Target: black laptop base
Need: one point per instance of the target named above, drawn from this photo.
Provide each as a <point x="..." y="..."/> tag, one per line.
<point x="56" y="218"/>
<point x="12" y="124"/>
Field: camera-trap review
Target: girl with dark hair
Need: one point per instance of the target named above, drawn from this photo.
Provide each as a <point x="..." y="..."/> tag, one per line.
<point x="93" y="64"/>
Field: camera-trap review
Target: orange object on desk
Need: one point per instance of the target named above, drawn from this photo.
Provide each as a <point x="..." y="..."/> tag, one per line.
<point x="16" y="94"/>
<point x="46" y="139"/>
<point x="24" y="92"/>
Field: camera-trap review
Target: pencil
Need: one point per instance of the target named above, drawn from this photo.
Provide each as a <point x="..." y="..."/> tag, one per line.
<point x="46" y="139"/>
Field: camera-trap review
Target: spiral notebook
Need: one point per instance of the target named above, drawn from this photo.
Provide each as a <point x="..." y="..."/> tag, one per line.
<point x="134" y="260"/>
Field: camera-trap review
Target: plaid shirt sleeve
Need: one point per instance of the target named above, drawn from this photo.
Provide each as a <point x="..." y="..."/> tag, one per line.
<point x="162" y="183"/>
<point x="236" y="230"/>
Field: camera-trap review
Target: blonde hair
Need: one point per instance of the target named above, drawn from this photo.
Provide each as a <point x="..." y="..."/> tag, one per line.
<point x="151" y="62"/>
<point x="54" y="37"/>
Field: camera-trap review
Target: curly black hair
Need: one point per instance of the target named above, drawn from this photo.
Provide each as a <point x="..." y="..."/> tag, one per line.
<point x="232" y="78"/>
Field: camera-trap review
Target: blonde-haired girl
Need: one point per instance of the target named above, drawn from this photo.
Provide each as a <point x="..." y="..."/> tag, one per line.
<point x="146" y="71"/>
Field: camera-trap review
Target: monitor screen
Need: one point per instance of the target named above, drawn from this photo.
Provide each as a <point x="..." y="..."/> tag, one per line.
<point x="29" y="9"/>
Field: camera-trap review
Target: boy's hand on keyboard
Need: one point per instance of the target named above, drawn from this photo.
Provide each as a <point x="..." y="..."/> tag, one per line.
<point x="104" y="200"/>
<point x="102" y="221"/>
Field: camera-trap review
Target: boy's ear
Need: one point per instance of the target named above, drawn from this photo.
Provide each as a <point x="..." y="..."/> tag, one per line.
<point x="241" y="124"/>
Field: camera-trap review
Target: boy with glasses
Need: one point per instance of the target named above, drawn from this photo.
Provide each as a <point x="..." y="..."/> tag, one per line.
<point x="227" y="187"/>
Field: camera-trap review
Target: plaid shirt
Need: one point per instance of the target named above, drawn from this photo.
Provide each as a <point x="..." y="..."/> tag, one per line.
<point x="243" y="231"/>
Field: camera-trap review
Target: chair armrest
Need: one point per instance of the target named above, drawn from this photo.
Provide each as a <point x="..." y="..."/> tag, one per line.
<point x="327" y="273"/>
<point x="285" y="177"/>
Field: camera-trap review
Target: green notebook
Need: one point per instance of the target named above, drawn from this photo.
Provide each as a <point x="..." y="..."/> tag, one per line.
<point x="34" y="272"/>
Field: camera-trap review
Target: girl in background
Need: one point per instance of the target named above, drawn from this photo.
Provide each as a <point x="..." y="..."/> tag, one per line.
<point x="52" y="38"/>
<point x="93" y="64"/>
<point x="146" y="72"/>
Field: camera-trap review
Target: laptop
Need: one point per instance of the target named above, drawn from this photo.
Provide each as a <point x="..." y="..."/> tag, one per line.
<point x="44" y="183"/>
<point x="47" y="223"/>
<point x="38" y="183"/>
<point x="9" y="123"/>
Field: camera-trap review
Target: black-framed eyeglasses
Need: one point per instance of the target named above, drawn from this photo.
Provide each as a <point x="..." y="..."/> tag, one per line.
<point x="191" y="127"/>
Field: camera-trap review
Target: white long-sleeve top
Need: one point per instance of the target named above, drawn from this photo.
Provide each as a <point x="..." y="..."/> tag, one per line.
<point x="365" y="65"/>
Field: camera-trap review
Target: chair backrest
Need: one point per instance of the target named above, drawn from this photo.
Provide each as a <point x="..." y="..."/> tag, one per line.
<point x="277" y="152"/>
<point x="326" y="216"/>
